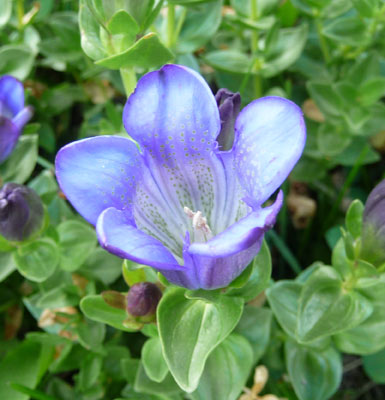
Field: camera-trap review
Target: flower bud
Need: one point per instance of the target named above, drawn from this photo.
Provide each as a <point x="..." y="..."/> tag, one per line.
<point x="21" y="212"/>
<point x="373" y="228"/>
<point x="229" y="105"/>
<point x="143" y="298"/>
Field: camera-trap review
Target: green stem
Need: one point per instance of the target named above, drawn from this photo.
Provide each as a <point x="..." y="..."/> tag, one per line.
<point x="170" y="25"/>
<point x="20" y="14"/>
<point x="254" y="50"/>
<point x="129" y="79"/>
<point x="44" y="163"/>
<point x="323" y="42"/>
<point x="180" y="23"/>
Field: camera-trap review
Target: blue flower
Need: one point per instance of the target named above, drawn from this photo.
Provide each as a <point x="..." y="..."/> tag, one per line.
<point x="180" y="204"/>
<point x="13" y="114"/>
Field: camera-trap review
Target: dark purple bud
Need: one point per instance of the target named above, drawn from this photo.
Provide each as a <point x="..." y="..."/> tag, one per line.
<point x="21" y="212"/>
<point x="229" y="105"/>
<point x="143" y="298"/>
<point x="373" y="228"/>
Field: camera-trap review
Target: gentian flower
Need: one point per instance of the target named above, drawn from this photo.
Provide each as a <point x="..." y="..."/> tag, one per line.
<point x="181" y="204"/>
<point x="373" y="226"/>
<point x="13" y="114"/>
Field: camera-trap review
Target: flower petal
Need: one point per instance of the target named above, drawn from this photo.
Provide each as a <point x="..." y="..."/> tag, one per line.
<point x="174" y="117"/>
<point x="270" y="137"/>
<point x="118" y="235"/>
<point x="9" y="134"/>
<point x="219" y="261"/>
<point x="22" y="117"/>
<point x="98" y="173"/>
<point x="11" y="96"/>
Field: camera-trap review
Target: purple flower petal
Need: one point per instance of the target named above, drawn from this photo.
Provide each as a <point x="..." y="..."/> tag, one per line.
<point x="98" y="173"/>
<point x="22" y="117"/>
<point x="118" y="235"/>
<point x="9" y="134"/>
<point x="174" y="117"/>
<point x="270" y="137"/>
<point x="219" y="261"/>
<point x="11" y="96"/>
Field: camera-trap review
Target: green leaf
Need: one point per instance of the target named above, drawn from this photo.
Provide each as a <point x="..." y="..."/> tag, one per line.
<point x="91" y="334"/>
<point x="315" y="374"/>
<point x="19" y="166"/>
<point x="37" y="260"/>
<point x="8" y="265"/>
<point x="260" y="276"/>
<point x="229" y="60"/>
<point x="326" y="97"/>
<point x="366" y="338"/>
<point x="287" y="48"/>
<point x="77" y="240"/>
<point x="16" y="60"/>
<point x="191" y="329"/>
<point x="367" y="8"/>
<point x="20" y="365"/>
<point x="255" y="326"/>
<point x="347" y="30"/>
<point x="90" y="369"/>
<point x="326" y="308"/>
<point x="201" y="23"/>
<point x="226" y="370"/>
<point x="283" y="299"/>
<point x="122" y="23"/>
<point x="371" y="91"/>
<point x="147" y="52"/>
<point x="102" y="266"/>
<point x="332" y="140"/>
<point x="374" y="366"/>
<point x="353" y="219"/>
<point x="90" y="33"/>
<point x="5" y="12"/>
<point x="95" y="308"/>
<point x="153" y="360"/>
<point x="143" y="384"/>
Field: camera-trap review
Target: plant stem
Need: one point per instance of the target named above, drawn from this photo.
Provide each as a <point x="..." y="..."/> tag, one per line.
<point x="323" y="42"/>
<point x="254" y="50"/>
<point x="20" y="14"/>
<point x="170" y="25"/>
<point x="129" y="79"/>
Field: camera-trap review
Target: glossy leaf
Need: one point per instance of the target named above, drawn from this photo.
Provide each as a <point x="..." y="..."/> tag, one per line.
<point x="191" y="329"/>
<point x="153" y="360"/>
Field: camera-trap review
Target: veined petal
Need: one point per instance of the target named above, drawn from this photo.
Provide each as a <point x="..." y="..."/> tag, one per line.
<point x="174" y="117"/>
<point x="219" y="261"/>
<point x="118" y="235"/>
<point x="270" y="137"/>
<point x="11" y="96"/>
<point x="98" y="173"/>
<point x="9" y="135"/>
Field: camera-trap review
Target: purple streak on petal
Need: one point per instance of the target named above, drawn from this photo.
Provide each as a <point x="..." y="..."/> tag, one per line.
<point x="11" y="96"/>
<point x="118" y="235"/>
<point x="22" y="117"/>
<point x="270" y="137"/>
<point x="98" y="173"/>
<point x="174" y="117"/>
<point x="216" y="263"/>
<point x="9" y="134"/>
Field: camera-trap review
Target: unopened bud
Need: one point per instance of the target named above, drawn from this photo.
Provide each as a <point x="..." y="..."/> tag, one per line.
<point x="143" y="298"/>
<point x="373" y="231"/>
<point x="229" y="105"/>
<point x="21" y="212"/>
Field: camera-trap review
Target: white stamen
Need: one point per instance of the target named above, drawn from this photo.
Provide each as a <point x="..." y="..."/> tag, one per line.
<point x="199" y="223"/>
